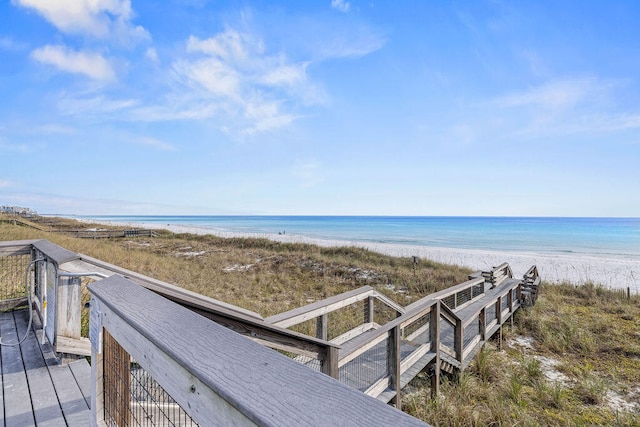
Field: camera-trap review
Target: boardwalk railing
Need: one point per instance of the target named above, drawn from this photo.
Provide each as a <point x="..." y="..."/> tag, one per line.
<point x="342" y="317"/>
<point x="443" y="330"/>
<point x="149" y="369"/>
<point x="61" y="300"/>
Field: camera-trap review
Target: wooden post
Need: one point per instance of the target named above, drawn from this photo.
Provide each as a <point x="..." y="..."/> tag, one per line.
<point x="483" y="324"/>
<point x="322" y="325"/>
<point x="368" y="310"/>
<point x="393" y="362"/>
<point x="510" y="302"/>
<point x="500" y="338"/>
<point x="69" y="307"/>
<point x="330" y="363"/>
<point x="499" y="310"/>
<point x="97" y="391"/>
<point x="459" y="334"/>
<point x="434" y="334"/>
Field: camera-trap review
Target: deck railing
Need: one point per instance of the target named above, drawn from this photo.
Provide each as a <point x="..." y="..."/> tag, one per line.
<point x="341" y="317"/>
<point x="61" y="298"/>
<point x="194" y="371"/>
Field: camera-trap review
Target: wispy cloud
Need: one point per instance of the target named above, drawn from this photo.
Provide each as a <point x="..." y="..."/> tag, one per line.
<point x="90" y="64"/>
<point x="307" y="172"/>
<point x="5" y="183"/>
<point x="15" y="148"/>
<point x="97" y="18"/>
<point x="155" y="143"/>
<point x="94" y="105"/>
<point x="341" y="5"/>
<point x="555" y="94"/>
<point x="565" y="107"/>
<point x="9" y="44"/>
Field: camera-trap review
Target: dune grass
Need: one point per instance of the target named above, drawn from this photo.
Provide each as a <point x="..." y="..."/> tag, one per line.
<point x="579" y="363"/>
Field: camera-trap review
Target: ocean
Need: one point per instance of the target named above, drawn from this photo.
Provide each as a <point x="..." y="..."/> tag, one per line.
<point x="603" y="237"/>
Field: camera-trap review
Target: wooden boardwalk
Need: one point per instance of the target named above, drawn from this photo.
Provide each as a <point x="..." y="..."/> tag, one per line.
<point x="36" y="388"/>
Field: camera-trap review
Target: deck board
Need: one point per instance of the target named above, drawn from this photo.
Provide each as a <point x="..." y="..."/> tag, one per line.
<point x="36" y="388"/>
<point x="17" y="401"/>
<point x="46" y="408"/>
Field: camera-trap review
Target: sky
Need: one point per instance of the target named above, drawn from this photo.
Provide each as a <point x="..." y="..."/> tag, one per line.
<point x="327" y="107"/>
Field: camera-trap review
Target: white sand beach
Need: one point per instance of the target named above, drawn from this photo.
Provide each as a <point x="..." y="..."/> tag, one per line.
<point x="611" y="272"/>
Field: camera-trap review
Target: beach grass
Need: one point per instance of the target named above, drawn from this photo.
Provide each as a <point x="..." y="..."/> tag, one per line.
<point x="572" y="359"/>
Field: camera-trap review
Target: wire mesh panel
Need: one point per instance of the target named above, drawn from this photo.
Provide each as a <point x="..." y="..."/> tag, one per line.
<point x="471" y="332"/>
<point x="514" y="294"/>
<point x="505" y="302"/>
<point x="477" y="290"/>
<point x="344" y="320"/>
<point x="382" y="313"/>
<point x="418" y="331"/>
<point x="447" y="334"/>
<point x="367" y="368"/>
<point x="308" y="327"/>
<point x="310" y="362"/>
<point x="463" y="296"/>
<point x="131" y="396"/>
<point x="12" y="276"/>
<point x="85" y="298"/>
<point x="450" y="301"/>
<point x="490" y="314"/>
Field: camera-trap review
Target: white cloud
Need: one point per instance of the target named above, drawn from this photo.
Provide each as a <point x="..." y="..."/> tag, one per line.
<point x="152" y="55"/>
<point x="90" y="64"/>
<point x="98" y="18"/>
<point x="285" y="75"/>
<point x="555" y="94"/>
<point x="232" y="74"/>
<point x="155" y="143"/>
<point x="5" y="184"/>
<point x="341" y="5"/>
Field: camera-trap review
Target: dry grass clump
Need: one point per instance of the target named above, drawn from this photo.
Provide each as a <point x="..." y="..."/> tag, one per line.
<point x="591" y="334"/>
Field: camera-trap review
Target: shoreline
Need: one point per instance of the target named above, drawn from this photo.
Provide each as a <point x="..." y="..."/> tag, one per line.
<point x="610" y="272"/>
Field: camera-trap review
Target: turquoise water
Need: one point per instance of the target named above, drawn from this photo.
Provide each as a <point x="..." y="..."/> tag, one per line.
<point x="587" y="236"/>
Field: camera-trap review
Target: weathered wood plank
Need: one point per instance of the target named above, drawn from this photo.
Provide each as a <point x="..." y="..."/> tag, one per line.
<point x="78" y="346"/>
<point x="81" y="371"/>
<point x="16" y="247"/>
<point x="74" y="406"/>
<point x="17" y="400"/>
<point x="45" y="404"/>
<point x="246" y="375"/>
<point x="69" y="305"/>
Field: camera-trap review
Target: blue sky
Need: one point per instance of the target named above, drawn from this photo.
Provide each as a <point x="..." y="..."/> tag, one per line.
<point x="329" y="107"/>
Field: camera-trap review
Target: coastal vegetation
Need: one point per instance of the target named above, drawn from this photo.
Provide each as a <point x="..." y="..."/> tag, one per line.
<point x="572" y="359"/>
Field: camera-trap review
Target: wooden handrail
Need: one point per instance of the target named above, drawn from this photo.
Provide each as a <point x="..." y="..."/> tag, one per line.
<point x="216" y="376"/>
<point x="446" y="292"/>
<point x="318" y="308"/>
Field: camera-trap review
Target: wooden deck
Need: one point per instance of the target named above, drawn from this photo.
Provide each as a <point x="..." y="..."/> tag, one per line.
<point x="36" y="388"/>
